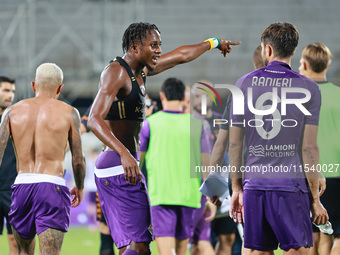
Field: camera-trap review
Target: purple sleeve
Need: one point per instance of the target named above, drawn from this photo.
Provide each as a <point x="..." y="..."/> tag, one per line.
<point x="206" y="138"/>
<point x="314" y="105"/>
<point x="145" y="136"/>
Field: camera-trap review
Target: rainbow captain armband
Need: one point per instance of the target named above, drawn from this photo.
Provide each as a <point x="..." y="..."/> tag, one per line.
<point x="214" y="42"/>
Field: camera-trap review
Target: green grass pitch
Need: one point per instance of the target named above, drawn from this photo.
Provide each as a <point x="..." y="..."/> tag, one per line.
<point x="79" y="240"/>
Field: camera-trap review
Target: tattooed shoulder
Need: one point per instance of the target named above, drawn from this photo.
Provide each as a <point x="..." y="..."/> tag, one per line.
<point x="75" y="118"/>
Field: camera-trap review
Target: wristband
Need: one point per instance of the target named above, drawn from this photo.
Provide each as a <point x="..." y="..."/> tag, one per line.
<point x="214" y="42"/>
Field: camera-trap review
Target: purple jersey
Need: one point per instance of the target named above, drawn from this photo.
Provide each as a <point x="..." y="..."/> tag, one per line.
<point x="278" y="103"/>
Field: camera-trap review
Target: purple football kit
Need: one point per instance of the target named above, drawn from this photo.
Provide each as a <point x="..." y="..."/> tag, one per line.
<point x="172" y="220"/>
<point x="39" y="202"/>
<point x="180" y="221"/>
<point x="278" y="103"/>
<point x="126" y="207"/>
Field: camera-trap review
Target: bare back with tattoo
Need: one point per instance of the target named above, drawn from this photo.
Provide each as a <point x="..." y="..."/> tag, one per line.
<point x="40" y="129"/>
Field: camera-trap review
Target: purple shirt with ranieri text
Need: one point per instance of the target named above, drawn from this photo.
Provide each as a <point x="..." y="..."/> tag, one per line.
<point x="278" y="103"/>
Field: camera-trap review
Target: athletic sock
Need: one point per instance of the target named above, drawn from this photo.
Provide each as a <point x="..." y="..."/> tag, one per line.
<point x="106" y="245"/>
<point x="130" y="252"/>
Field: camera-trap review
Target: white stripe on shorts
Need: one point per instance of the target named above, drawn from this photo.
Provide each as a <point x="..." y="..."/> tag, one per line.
<point x="110" y="171"/>
<point x="38" y="178"/>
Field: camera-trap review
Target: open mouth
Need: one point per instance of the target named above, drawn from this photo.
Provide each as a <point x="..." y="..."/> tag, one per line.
<point x="155" y="60"/>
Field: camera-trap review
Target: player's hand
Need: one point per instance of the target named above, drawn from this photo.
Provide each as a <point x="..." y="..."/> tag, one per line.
<point x="225" y="46"/>
<point x="209" y="207"/>
<point x="236" y="207"/>
<point x="78" y="196"/>
<point x="319" y="213"/>
<point x="132" y="172"/>
<point x="215" y="201"/>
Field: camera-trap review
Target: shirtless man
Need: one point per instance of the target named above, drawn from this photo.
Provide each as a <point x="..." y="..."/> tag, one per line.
<point x="116" y="119"/>
<point x="40" y="128"/>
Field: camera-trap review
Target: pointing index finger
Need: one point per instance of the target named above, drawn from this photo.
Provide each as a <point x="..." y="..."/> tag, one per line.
<point x="233" y="43"/>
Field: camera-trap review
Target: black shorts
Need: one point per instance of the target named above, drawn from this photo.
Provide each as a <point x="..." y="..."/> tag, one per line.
<point x="223" y="226"/>
<point x="5" y="207"/>
<point x="330" y="200"/>
<point x="315" y="228"/>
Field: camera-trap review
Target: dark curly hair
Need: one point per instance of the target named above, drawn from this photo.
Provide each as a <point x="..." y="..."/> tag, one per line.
<point x="136" y="32"/>
<point x="283" y="37"/>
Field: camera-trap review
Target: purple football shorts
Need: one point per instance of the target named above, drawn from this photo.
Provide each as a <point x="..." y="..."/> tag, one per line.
<point x="39" y="202"/>
<point x="172" y="221"/>
<point x="126" y="207"/>
<point x="276" y="217"/>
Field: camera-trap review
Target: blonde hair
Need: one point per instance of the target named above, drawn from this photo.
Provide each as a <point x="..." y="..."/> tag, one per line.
<point x="49" y="75"/>
<point x="318" y="56"/>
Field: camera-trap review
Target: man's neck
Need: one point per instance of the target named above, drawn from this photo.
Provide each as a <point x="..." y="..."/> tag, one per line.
<point x="173" y="105"/>
<point x="317" y="77"/>
<point x="135" y="65"/>
<point x="2" y="111"/>
<point x="284" y="60"/>
<point x="45" y="94"/>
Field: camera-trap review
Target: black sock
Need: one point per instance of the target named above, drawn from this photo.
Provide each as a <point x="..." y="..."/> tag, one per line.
<point x="106" y="245"/>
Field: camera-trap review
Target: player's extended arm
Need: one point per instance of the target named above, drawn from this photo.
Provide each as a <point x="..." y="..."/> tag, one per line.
<point x="217" y="155"/>
<point x="112" y="80"/>
<point x="220" y="147"/>
<point x="187" y="53"/>
<point x="310" y="157"/>
<point x="210" y="206"/>
<point x="4" y="132"/>
<point x="78" y="159"/>
<point x="322" y="184"/>
<point x="205" y="159"/>
<point x="235" y="158"/>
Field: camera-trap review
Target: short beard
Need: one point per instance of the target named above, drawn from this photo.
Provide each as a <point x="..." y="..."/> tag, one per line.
<point x="149" y="68"/>
<point x="265" y="61"/>
<point x="3" y="106"/>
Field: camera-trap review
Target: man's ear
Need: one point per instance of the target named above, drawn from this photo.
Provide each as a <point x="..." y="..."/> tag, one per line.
<point x="60" y="87"/>
<point x="329" y="63"/>
<point x="134" y="48"/>
<point x="162" y="95"/>
<point x="305" y="66"/>
<point x="269" y="50"/>
<point x="33" y="86"/>
<point x="184" y="97"/>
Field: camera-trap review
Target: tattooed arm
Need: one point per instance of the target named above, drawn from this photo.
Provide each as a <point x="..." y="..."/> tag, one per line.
<point x="4" y="132"/>
<point x="78" y="159"/>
